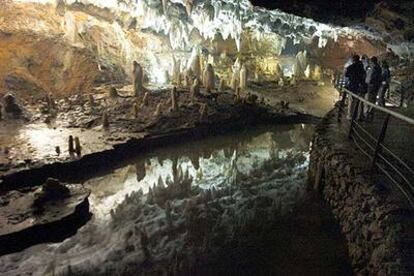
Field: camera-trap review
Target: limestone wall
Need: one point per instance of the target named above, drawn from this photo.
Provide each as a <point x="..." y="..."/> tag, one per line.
<point x="378" y="228"/>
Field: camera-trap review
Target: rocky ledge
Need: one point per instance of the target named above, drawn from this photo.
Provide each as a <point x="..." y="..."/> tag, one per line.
<point x="51" y="212"/>
<point x="378" y="228"/>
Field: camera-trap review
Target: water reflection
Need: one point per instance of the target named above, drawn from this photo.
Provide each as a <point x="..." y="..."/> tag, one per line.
<point x="196" y="196"/>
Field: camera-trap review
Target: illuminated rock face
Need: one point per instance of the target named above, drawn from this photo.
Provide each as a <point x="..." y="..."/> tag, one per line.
<point x="96" y="41"/>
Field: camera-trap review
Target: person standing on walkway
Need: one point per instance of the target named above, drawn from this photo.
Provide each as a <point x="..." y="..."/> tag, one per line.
<point x="373" y="80"/>
<point x="385" y="85"/>
<point x="355" y="74"/>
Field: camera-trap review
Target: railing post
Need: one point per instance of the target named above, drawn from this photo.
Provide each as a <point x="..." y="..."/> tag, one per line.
<point x="354" y="115"/>
<point x="381" y="138"/>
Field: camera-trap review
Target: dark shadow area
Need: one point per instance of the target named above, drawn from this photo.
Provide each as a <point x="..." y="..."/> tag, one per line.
<point x="306" y="241"/>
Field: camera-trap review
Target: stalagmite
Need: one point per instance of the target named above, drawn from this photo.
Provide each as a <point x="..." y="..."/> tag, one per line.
<point x="222" y="85"/>
<point x="138" y="77"/>
<point x="279" y="72"/>
<point x="235" y="80"/>
<point x="105" y="120"/>
<point x="237" y="95"/>
<point x="91" y="100"/>
<point x="281" y="82"/>
<point x="209" y="78"/>
<point x="196" y="67"/>
<point x="135" y="110"/>
<point x="195" y="89"/>
<point x="317" y="75"/>
<point x="297" y="71"/>
<point x="302" y="58"/>
<point x="113" y="93"/>
<point x="203" y="111"/>
<point x="71" y="147"/>
<point x="243" y="78"/>
<point x="293" y="81"/>
<point x="176" y="75"/>
<point x="166" y="77"/>
<point x="174" y="105"/>
<point x="308" y="72"/>
<point x="157" y="111"/>
<point x="145" y="100"/>
<point x="78" y="148"/>
<point x="57" y="150"/>
<point x="11" y="107"/>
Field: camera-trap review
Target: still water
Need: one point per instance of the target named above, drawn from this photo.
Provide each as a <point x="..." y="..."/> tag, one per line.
<point x="234" y="204"/>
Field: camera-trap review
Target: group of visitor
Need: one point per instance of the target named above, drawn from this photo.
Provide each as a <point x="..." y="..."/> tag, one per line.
<point x="367" y="78"/>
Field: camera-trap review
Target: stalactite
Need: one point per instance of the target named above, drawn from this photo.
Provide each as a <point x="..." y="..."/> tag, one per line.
<point x="189" y="6"/>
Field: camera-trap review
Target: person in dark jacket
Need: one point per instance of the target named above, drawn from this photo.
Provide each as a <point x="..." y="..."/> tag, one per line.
<point x="385" y="85"/>
<point x="355" y="75"/>
<point x="373" y="80"/>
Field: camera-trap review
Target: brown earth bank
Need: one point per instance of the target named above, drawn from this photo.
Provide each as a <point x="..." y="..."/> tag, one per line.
<point x="376" y="223"/>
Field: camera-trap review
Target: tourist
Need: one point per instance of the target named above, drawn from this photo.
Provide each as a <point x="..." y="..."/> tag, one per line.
<point x="385" y="85"/>
<point x="373" y="80"/>
<point x="355" y="75"/>
<point x="365" y="62"/>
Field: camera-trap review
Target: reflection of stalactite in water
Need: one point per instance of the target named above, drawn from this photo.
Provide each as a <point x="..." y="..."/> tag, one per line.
<point x="273" y="150"/>
<point x="195" y="160"/>
<point x="233" y="169"/>
<point x="140" y="170"/>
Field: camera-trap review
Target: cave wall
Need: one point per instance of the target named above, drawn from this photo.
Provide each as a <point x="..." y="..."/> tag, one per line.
<point x="377" y="226"/>
<point x="66" y="47"/>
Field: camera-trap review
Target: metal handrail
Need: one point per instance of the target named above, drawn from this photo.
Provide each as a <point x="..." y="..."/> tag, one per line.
<point x="380" y="108"/>
<point x="374" y="148"/>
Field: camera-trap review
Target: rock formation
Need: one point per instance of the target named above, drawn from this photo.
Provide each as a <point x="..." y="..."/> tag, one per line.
<point x="243" y="78"/>
<point x="71" y="147"/>
<point x="78" y="147"/>
<point x="195" y="89"/>
<point x="222" y="85"/>
<point x="174" y="104"/>
<point x="11" y="107"/>
<point x="105" y="120"/>
<point x="157" y="111"/>
<point x="138" y="77"/>
<point x="209" y="78"/>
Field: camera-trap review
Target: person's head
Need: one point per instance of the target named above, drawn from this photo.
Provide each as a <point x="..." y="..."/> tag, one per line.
<point x="385" y="64"/>
<point x="374" y="60"/>
<point x="355" y="58"/>
<point x="364" y="57"/>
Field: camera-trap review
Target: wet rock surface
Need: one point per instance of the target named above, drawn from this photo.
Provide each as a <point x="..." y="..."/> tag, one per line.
<point x="375" y="220"/>
<point x="41" y="214"/>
